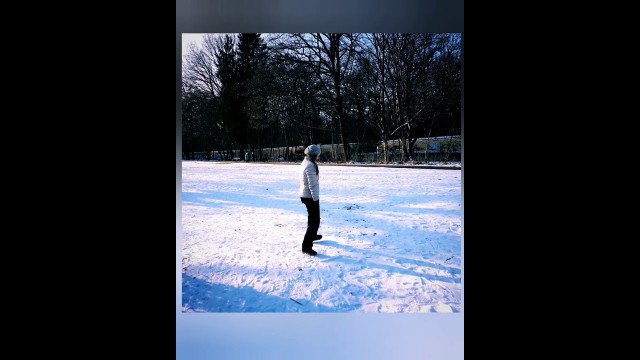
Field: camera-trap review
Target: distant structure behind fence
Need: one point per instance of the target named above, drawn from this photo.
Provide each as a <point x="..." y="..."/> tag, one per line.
<point x="436" y="149"/>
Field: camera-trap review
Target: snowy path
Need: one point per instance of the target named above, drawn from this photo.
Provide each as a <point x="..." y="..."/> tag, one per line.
<point x="392" y="240"/>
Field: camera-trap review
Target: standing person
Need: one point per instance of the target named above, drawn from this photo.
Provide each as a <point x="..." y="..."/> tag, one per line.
<point x="310" y="196"/>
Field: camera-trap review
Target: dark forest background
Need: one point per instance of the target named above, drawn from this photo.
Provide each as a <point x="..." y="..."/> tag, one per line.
<point x="246" y="92"/>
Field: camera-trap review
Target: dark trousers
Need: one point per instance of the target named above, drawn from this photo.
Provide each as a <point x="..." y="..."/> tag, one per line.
<point x="313" y="221"/>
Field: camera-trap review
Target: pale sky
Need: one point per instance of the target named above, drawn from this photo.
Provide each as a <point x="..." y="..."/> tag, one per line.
<point x="193" y="38"/>
<point x="189" y="38"/>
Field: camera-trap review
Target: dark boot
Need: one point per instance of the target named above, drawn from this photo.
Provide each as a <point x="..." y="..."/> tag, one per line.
<point x="310" y="252"/>
<point x="318" y="237"/>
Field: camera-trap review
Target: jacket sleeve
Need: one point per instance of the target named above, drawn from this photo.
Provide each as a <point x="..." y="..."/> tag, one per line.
<point x="314" y="186"/>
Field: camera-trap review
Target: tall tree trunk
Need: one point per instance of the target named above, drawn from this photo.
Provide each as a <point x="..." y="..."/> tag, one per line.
<point x="337" y="81"/>
<point x="344" y="135"/>
<point x="385" y="149"/>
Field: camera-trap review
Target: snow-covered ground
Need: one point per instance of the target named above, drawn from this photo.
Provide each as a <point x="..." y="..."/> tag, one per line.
<point x="392" y="240"/>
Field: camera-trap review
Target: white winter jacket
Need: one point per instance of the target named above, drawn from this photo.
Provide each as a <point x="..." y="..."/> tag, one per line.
<point x="309" y="181"/>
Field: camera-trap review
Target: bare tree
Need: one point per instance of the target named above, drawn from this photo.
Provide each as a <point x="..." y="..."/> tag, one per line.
<point x="329" y="56"/>
<point x="202" y="82"/>
<point x="375" y="59"/>
<point x="402" y="48"/>
<point x="200" y="67"/>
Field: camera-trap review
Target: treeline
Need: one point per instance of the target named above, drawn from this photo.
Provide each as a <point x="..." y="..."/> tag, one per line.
<point x="252" y="91"/>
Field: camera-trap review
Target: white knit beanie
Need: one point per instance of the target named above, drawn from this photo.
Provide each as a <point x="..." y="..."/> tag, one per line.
<point x="312" y="150"/>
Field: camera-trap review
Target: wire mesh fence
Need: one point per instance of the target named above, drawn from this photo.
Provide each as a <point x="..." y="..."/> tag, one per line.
<point x="434" y="149"/>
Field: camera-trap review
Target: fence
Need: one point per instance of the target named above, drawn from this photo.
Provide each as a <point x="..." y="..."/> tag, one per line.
<point x="441" y="149"/>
